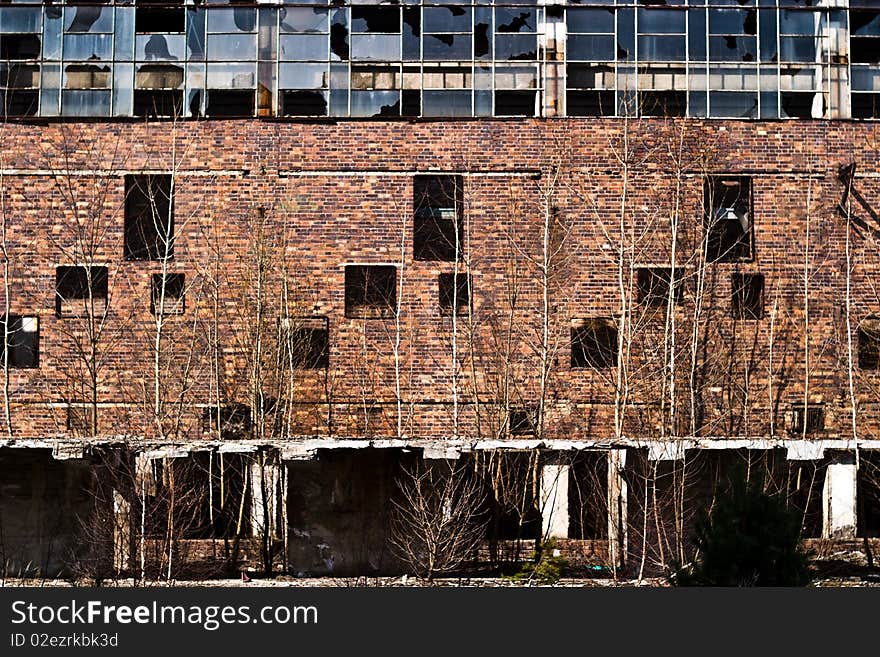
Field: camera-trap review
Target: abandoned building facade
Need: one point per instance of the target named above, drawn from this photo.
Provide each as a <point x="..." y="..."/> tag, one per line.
<point x="276" y="273"/>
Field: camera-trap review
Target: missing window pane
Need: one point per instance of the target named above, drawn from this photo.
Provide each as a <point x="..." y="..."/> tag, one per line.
<point x="370" y="291"/>
<point x="149" y="217"/>
<point x="594" y="343"/>
<point x="727" y="203"/>
<point x="437" y="220"/>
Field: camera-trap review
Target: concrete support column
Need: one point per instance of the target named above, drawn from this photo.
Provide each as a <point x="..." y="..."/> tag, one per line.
<point x="266" y="479"/>
<point x="121" y="533"/>
<point x="617" y="511"/>
<point x="839" y="497"/>
<point x="554" y="501"/>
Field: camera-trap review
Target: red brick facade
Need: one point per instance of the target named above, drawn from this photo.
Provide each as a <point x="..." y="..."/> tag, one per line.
<point x="304" y="199"/>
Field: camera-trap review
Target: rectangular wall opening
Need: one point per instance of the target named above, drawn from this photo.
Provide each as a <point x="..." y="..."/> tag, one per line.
<point x="308" y="342"/>
<point x="594" y="342"/>
<point x="231" y="421"/>
<point x="79" y="290"/>
<point x="437" y="218"/>
<point x="454" y="292"/>
<point x="869" y="344"/>
<point x="747" y="296"/>
<point x="653" y="284"/>
<point x="149" y="217"/>
<point x="22" y="350"/>
<point x="727" y="204"/>
<point x="168" y="294"/>
<point x="370" y="291"/>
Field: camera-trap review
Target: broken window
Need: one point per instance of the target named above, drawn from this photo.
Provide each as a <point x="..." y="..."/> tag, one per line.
<point x="747" y="298"/>
<point x="79" y="288"/>
<point x="662" y="103"/>
<point x="308" y="342"/>
<point x="376" y="33"/>
<point x="149" y="217"/>
<point x="653" y="285"/>
<point x="370" y="291"/>
<point x="516" y="33"/>
<point x="522" y="420"/>
<point x="864" y="36"/>
<point x="19" y="85"/>
<point x="230" y="421"/>
<point x="22" y="341"/>
<point x="594" y="342"/>
<point x="454" y="292"/>
<point x="869" y="344"/>
<point x="727" y="203"/>
<point x="437" y="218"/>
<point x="813" y="416"/>
<point x="732" y="35"/>
<point x="168" y="293"/>
<point x="661" y="35"/>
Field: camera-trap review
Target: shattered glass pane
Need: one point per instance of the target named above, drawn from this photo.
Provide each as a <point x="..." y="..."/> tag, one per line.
<point x="88" y="46"/>
<point x="88" y="19"/>
<point x="375" y="103"/>
<point x="375" y="47"/>
<point x="304" y="19"/>
<point x="160" y="47"/>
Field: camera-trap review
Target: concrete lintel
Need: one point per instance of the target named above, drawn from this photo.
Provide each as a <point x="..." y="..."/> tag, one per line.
<point x="236" y="448"/>
<point x="672" y="450"/>
<point x="441" y="453"/>
<point x="166" y="453"/>
<point x="805" y="450"/>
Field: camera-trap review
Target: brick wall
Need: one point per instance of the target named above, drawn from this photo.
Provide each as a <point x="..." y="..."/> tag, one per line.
<point x="268" y="213"/>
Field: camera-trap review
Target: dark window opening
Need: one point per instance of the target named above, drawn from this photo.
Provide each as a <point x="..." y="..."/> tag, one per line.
<point x="515" y="103"/>
<point x="813" y="415"/>
<point x="22" y="347"/>
<point x="747" y="299"/>
<point x="233" y="103"/>
<point x="662" y="103"/>
<point x="797" y="104"/>
<point x="869" y="344"/>
<point x="410" y="102"/>
<point x="174" y="301"/>
<point x="727" y="203"/>
<point x="594" y="343"/>
<point x="865" y="106"/>
<point x="202" y="495"/>
<point x="384" y="20"/>
<point x="158" y="103"/>
<point x="588" y="497"/>
<point x="149" y="217"/>
<point x="437" y="221"/>
<point x="19" y="102"/>
<point x="303" y="103"/>
<point x="19" y="46"/>
<point x="77" y="283"/>
<point x="454" y="289"/>
<point x="868" y="494"/>
<point x="158" y="19"/>
<point x="308" y="343"/>
<point x="522" y="421"/>
<point x="370" y="291"/>
<point x="591" y="103"/>
<point x="234" y="421"/>
<point x="653" y="286"/>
